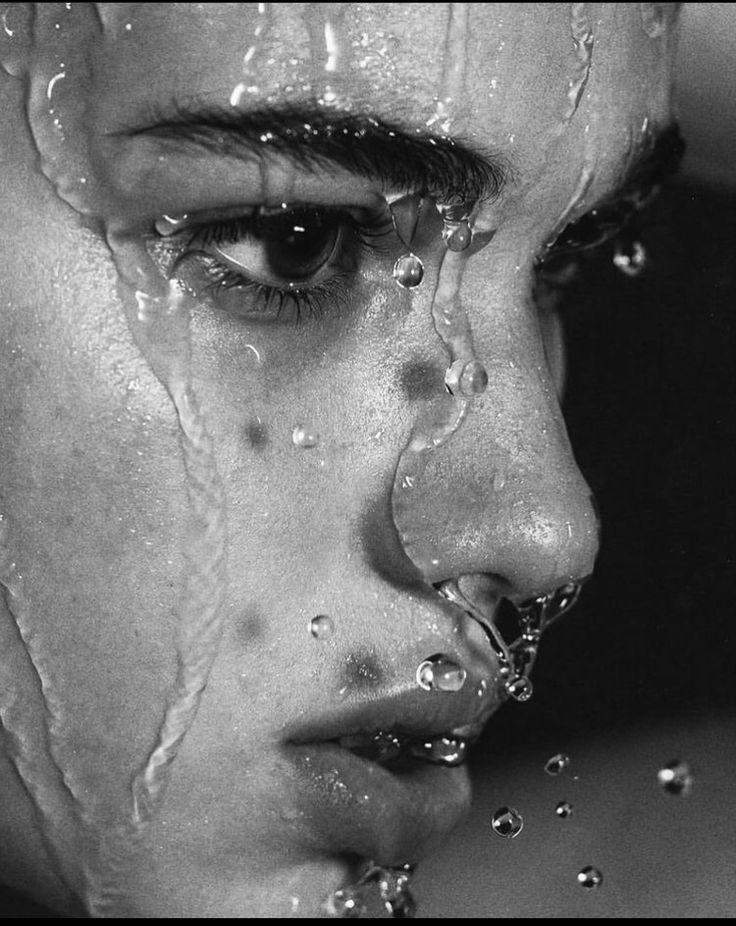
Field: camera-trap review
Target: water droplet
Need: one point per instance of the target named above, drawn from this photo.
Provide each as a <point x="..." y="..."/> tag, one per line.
<point x="445" y="750"/>
<point x="557" y="763"/>
<point x="345" y="904"/>
<point x="473" y="379"/>
<point x="563" y="809"/>
<point x="408" y="271"/>
<point x="457" y="237"/>
<point x="520" y="688"/>
<point x="468" y="378"/>
<point x="507" y="822"/>
<point x="321" y="626"/>
<point x="590" y="877"/>
<point x="676" y="778"/>
<point x="304" y="437"/>
<point x="630" y="258"/>
<point x="440" y="673"/>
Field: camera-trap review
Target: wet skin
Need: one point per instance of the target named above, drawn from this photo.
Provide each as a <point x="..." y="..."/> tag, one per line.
<point x="91" y="474"/>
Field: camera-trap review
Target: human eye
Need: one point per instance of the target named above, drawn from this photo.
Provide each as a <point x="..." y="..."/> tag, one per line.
<point x="276" y="263"/>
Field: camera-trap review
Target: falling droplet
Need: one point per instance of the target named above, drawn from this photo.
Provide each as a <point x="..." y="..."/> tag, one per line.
<point x="630" y="258"/>
<point x="457" y="236"/>
<point x="557" y="763"/>
<point x="408" y="271"/>
<point x="563" y="809"/>
<point x="520" y="688"/>
<point x="304" y="437"/>
<point x="676" y="778"/>
<point x="321" y="626"/>
<point x="440" y="673"/>
<point x="590" y="877"/>
<point x="507" y="822"/>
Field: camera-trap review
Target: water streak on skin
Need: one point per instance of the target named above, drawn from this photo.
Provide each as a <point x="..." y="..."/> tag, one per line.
<point x="653" y="19"/>
<point x="247" y="85"/>
<point x="583" y="41"/>
<point x="24" y="696"/>
<point x="158" y="318"/>
<point x="437" y="426"/>
<point x="325" y="26"/>
<point x="453" y="71"/>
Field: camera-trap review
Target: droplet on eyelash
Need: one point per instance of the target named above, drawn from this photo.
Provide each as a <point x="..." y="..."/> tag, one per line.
<point x="304" y="438"/>
<point x="408" y="271"/>
<point x="457" y="237"/>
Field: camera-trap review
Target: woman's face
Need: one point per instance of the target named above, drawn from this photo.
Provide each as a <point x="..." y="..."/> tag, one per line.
<point x="209" y="471"/>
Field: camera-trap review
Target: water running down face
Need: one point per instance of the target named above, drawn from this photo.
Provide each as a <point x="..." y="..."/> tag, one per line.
<point x="188" y="382"/>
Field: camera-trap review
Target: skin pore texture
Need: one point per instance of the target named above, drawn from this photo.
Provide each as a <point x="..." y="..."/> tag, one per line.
<point x="161" y="527"/>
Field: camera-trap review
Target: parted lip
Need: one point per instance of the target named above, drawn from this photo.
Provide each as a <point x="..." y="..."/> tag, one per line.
<point x="415" y="714"/>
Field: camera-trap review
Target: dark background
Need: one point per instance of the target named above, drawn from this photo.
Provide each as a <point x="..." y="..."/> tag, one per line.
<point x="651" y="410"/>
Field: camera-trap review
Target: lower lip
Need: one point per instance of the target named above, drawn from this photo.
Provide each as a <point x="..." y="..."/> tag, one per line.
<point x="357" y="806"/>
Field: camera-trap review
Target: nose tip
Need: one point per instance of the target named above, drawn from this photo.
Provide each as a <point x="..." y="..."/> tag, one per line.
<point x="530" y="522"/>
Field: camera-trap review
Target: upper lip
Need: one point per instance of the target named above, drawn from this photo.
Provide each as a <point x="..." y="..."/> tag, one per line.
<point x="410" y="710"/>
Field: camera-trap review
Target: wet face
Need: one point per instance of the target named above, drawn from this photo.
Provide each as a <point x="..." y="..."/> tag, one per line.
<point x="230" y="454"/>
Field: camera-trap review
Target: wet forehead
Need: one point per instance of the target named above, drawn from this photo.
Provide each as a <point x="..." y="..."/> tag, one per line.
<point x="502" y="63"/>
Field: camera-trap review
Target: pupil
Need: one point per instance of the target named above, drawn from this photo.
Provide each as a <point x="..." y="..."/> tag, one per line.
<point x="299" y="242"/>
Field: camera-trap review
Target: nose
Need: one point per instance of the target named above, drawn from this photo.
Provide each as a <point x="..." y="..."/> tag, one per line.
<point x="503" y="496"/>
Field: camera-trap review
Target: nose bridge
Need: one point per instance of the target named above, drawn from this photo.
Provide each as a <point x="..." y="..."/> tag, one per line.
<point x="504" y="496"/>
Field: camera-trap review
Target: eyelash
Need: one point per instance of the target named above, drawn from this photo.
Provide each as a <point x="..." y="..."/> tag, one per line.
<point x="357" y="240"/>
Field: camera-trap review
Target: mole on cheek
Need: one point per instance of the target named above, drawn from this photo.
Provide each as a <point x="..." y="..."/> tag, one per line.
<point x="362" y="671"/>
<point x="256" y="433"/>
<point x="421" y="380"/>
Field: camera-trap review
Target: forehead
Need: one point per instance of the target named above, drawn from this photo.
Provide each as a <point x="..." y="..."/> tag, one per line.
<point x="501" y="64"/>
<point x="543" y="85"/>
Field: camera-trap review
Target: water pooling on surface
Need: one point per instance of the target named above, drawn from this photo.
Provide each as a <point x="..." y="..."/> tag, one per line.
<point x="158" y="317"/>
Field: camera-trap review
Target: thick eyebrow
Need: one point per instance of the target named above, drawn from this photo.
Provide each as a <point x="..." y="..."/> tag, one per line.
<point x="312" y="137"/>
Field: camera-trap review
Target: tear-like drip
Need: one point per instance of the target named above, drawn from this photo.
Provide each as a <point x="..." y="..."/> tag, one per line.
<point x="583" y="41"/>
<point x="248" y="86"/>
<point x="26" y="695"/>
<point x="453" y="68"/>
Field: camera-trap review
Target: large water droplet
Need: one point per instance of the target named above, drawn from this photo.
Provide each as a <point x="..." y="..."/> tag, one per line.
<point x="304" y="437"/>
<point x="440" y="673"/>
<point x="466" y="378"/>
<point x="507" y="822"/>
<point x="408" y="271"/>
<point x="563" y="809"/>
<point x="557" y="763"/>
<point x="590" y="877"/>
<point x="520" y="688"/>
<point x="457" y="237"/>
<point x="676" y="778"/>
<point x="321" y="626"/>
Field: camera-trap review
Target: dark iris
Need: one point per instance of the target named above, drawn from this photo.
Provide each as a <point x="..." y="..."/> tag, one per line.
<point x="298" y="242"/>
